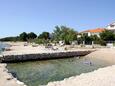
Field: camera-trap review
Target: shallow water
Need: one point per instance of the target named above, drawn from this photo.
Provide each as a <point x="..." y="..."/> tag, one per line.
<point x="3" y="45"/>
<point x="41" y="72"/>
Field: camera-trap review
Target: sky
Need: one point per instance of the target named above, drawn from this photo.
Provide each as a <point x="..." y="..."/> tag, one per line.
<point x="18" y="16"/>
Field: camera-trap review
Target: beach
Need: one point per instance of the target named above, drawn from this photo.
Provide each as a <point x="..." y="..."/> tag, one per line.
<point x="18" y="48"/>
<point x="101" y="77"/>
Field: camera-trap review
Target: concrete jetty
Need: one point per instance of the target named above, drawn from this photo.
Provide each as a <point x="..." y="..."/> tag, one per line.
<point x="18" y="53"/>
<point x="41" y="56"/>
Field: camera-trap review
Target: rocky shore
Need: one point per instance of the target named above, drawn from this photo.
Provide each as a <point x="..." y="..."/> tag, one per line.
<point x="6" y="79"/>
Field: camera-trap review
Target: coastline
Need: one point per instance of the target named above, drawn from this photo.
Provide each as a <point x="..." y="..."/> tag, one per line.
<point x="105" y="54"/>
<point x="20" y="53"/>
<point x="100" y="77"/>
<point x="19" y="48"/>
<point x="6" y="79"/>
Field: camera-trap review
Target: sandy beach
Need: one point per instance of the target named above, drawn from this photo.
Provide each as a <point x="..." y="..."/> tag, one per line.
<point x="101" y="77"/>
<point x="18" y="48"/>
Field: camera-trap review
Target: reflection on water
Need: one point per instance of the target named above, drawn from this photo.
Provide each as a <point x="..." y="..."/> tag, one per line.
<point x="41" y="72"/>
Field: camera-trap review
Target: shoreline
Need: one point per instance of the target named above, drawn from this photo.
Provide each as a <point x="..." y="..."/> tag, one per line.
<point x="7" y="79"/>
<point x="100" y="77"/>
<point x="20" y="49"/>
<point x="18" y="53"/>
<point x="105" y="54"/>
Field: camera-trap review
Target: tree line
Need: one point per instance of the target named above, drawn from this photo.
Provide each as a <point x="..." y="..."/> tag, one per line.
<point x="63" y="33"/>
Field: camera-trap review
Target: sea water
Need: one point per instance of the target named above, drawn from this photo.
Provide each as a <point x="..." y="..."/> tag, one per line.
<point x="38" y="73"/>
<point x="3" y="45"/>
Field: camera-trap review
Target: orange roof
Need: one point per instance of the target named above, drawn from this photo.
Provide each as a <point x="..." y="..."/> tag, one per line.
<point x="97" y="30"/>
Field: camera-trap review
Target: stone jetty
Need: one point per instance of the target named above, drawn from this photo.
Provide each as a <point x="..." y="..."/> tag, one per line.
<point x="17" y="52"/>
<point x="41" y="56"/>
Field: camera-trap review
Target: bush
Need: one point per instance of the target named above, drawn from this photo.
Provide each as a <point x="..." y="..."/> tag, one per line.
<point x="103" y="43"/>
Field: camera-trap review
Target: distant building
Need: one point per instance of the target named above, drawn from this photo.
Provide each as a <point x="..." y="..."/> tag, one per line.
<point x="91" y="32"/>
<point x="111" y="27"/>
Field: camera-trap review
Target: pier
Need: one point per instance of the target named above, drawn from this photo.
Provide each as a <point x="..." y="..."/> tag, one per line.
<point x="41" y="56"/>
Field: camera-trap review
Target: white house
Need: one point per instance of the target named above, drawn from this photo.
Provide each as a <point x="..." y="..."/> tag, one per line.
<point x="91" y="32"/>
<point x="111" y="27"/>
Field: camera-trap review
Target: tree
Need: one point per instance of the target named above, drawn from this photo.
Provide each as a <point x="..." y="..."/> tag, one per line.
<point x="31" y="35"/>
<point x="44" y="35"/>
<point x="64" y="33"/>
<point x="107" y="36"/>
<point x="10" y="39"/>
<point x="96" y="39"/>
<point x="87" y="39"/>
<point x="23" y="36"/>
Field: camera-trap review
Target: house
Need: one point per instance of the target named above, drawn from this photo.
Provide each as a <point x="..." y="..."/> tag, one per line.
<point x="91" y="32"/>
<point x="111" y="27"/>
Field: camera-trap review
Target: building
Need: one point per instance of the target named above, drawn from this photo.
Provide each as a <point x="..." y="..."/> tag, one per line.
<point x="91" y="32"/>
<point x="111" y="27"/>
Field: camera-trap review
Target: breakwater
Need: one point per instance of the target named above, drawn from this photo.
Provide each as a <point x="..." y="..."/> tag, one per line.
<point x="41" y="56"/>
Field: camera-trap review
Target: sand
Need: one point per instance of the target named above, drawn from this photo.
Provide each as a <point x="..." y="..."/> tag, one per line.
<point x="101" y="77"/>
<point x="106" y="54"/>
<point x="18" y="48"/>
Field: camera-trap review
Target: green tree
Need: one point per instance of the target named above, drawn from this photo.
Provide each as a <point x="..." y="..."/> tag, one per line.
<point x="107" y="36"/>
<point x="86" y="38"/>
<point x="10" y="39"/>
<point x="96" y="39"/>
<point x="23" y="36"/>
<point x="64" y="33"/>
<point x="31" y="35"/>
<point x="44" y="35"/>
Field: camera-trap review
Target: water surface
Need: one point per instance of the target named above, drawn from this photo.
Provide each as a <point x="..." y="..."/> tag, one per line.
<point x="2" y="46"/>
<point x="41" y="72"/>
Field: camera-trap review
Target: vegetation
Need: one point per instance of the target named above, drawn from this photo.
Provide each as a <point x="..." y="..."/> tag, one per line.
<point x="63" y="33"/>
<point x="88" y="39"/>
<point x="44" y="35"/>
<point x="23" y="36"/>
<point x="107" y="36"/>
<point x="10" y="39"/>
<point x="31" y="35"/>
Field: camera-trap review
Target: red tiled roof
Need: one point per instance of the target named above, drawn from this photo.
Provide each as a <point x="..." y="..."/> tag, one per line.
<point x="97" y="30"/>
